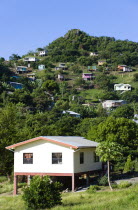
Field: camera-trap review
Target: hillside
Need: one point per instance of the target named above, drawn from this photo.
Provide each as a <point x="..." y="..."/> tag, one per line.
<point x="32" y="101"/>
<point x="77" y="45"/>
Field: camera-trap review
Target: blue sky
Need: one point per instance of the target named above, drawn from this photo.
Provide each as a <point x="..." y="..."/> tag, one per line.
<point x="29" y="24"/>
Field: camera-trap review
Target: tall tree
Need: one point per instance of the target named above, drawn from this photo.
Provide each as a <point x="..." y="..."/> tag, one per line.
<point x="120" y="130"/>
<point x="108" y="151"/>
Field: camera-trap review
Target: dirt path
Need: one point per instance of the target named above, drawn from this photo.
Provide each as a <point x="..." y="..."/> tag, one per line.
<point x="6" y="194"/>
<point x="131" y="180"/>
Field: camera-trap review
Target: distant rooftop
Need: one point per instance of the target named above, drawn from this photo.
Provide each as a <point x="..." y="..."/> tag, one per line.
<point x="114" y="100"/>
<point x="121" y="84"/>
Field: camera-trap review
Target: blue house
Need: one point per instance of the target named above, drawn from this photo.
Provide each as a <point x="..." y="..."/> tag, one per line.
<point x="21" y="69"/>
<point x="41" y="67"/>
<point x="16" y="85"/>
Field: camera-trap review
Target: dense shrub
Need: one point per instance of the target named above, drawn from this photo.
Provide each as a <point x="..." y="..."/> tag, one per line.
<point x="22" y="184"/>
<point x="129" y="165"/>
<point x="103" y="180"/>
<point x="114" y="186"/>
<point x="42" y="193"/>
<point x="3" y="178"/>
<point x="6" y="187"/>
<point x="93" y="188"/>
<point x="136" y="165"/>
<point x="124" y="184"/>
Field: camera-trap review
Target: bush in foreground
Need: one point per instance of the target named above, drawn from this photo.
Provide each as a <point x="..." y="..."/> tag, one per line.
<point x="103" y="180"/>
<point x="124" y="184"/>
<point x="93" y="188"/>
<point x="42" y="193"/>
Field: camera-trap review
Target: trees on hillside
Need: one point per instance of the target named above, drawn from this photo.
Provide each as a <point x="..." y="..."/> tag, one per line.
<point x="102" y="81"/>
<point x="109" y="151"/>
<point x="119" y="130"/>
<point x="14" y="57"/>
<point x="125" y="111"/>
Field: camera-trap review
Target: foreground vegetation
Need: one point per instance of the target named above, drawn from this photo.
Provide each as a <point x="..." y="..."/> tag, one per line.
<point x="118" y="199"/>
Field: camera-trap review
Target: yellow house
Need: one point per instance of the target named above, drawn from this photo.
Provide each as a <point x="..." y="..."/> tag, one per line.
<point x="101" y="62"/>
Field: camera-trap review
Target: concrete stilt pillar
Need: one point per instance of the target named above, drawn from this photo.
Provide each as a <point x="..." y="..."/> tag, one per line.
<point x="15" y="188"/>
<point x="87" y="180"/>
<point x="73" y="182"/>
<point x="28" y="180"/>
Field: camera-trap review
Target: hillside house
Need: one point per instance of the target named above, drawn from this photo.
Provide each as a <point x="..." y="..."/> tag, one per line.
<point x="87" y="76"/>
<point x="73" y="114"/>
<point x="135" y="118"/>
<point x="16" y="85"/>
<point x="41" y="67"/>
<point x="60" y="77"/>
<point x="124" y="68"/>
<point x="127" y="69"/>
<point x="101" y="62"/>
<point x="61" y="66"/>
<point x="31" y="76"/>
<point x="56" y="156"/>
<point x="112" y="103"/>
<point x="92" y="68"/>
<point x="122" y="87"/>
<point x="93" y="54"/>
<point x="42" y="53"/>
<point x="21" y="69"/>
<point x="30" y="59"/>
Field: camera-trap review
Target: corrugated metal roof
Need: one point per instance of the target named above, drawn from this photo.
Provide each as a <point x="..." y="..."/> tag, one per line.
<point x="76" y="141"/>
<point x="70" y="112"/>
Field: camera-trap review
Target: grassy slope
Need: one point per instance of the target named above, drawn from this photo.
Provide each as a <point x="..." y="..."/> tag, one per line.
<point x="126" y="78"/>
<point x="123" y="199"/>
<point x="119" y="199"/>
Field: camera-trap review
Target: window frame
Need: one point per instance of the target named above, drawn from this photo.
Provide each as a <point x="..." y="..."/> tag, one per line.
<point x="81" y="157"/>
<point x="96" y="158"/>
<point x="57" y="160"/>
<point x="28" y="160"/>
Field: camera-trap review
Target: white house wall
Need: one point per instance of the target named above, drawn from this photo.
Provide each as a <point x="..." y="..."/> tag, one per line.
<point x="42" y="158"/>
<point x="89" y="164"/>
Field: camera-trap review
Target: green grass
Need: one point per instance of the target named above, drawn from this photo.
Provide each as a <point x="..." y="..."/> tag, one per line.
<point x="117" y="200"/>
<point x="3" y="179"/>
<point x="6" y="187"/>
<point x="102" y="200"/>
<point x="126" y="78"/>
<point x="93" y="94"/>
<point x="11" y="203"/>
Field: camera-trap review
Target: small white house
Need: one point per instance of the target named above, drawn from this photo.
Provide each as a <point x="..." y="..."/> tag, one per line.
<point x="124" y="68"/>
<point x="61" y="66"/>
<point x="42" y="53"/>
<point x="93" y="54"/>
<point x="41" y="67"/>
<point x="122" y="87"/>
<point x="135" y="118"/>
<point x="30" y="59"/>
<point x="73" y="114"/>
<point x="127" y="69"/>
<point x="60" y="77"/>
<point x="65" y="156"/>
<point x="112" y="103"/>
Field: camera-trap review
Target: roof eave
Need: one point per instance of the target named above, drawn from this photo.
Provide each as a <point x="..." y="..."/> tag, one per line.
<point x="40" y="138"/>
